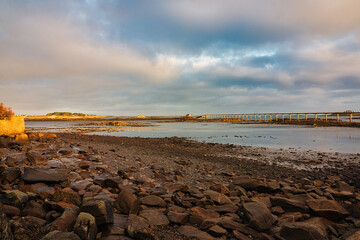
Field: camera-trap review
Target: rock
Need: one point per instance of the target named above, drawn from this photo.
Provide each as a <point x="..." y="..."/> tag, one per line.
<point x="65" y="222"/>
<point x="85" y="226"/>
<point x="251" y="184"/>
<point x="217" y="197"/>
<point x="101" y="209"/>
<point x="56" y="164"/>
<point x="32" y="208"/>
<point x="57" y="235"/>
<point x="343" y="186"/>
<point x="192" y="232"/>
<point x="80" y="185"/>
<point x="226" y="208"/>
<point x="44" y="175"/>
<point x="138" y="227"/>
<point x="153" y="200"/>
<point x="178" y="218"/>
<point x="36" y="158"/>
<point x="290" y="205"/>
<point x="155" y="217"/>
<point x="240" y="236"/>
<point x="259" y="215"/>
<point x="199" y="214"/>
<point x="354" y="236"/>
<point x="10" y="174"/>
<point x="67" y="195"/>
<point x="14" y="198"/>
<point x="45" y="191"/>
<point x="127" y="202"/>
<point x="22" y="138"/>
<point x="12" y="161"/>
<point x="5" y="228"/>
<point x="216" y="231"/>
<point x="231" y="223"/>
<point x="329" y="209"/>
<point x="84" y="164"/>
<point x="26" y="228"/>
<point x="116" y="229"/>
<point x="11" y="211"/>
<point x="303" y="231"/>
<point x="74" y="176"/>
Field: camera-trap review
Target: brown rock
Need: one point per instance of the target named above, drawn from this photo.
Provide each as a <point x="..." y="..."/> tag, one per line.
<point x="240" y="236"/>
<point x="36" y="158"/>
<point x="44" y="175"/>
<point x="309" y="230"/>
<point x="10" y="174"/>
<point x="354" y="236"/>
<point x="138" y="227"/>
<point x="192" y="232"/>
<point x="216" y="231"/>
<point x="116" y="229"/>
<point x="65" y="222"/>
<point x="251" y="184"/>
<point x="289" y="205"/>
<point x="11" y="211"/>
<point x="67" y="195"/>
<point x="329" y="209"/>
<point x="153" y="200"/>
<point x="14" y="198"/>
<point x="26" y="228"/>
<point x="84" y="164"/>
<point x="226" y="208"/>
<point x="155" y="217"/>
<point x="85" y="226"/>
<point x="80" y="185"/>
<point x="5" y="228"/>
<point x="259" y="215"/>
<point x="57" y="235"/>
<point x="217" y="197"/>
<point x="127" y="202"/>
<point x="32" y="208"/>
<point x="101" y="209"/>
<point x="199" y="214"/>
<point x="178" y="218"/>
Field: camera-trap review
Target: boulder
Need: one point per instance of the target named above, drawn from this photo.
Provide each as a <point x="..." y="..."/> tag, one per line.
<point x="65" y="222"/>
<point x="33" y="208"/>
<point x="26" y="228"/>
<point x="11" y="211"/>
<point x="127" y="202"/>
<point x="14" y="198"/>
<point x="10" y="174"/>
<point x="313" y="229"/>
<point x="57" y="235"/>
<point x="36" y="158"/>
<point x="226" y="208"/>
<point x="101" y="209"/>
<point x="67" y="195"/>
<point x="216" y="231"/>
<point x="249" y="183"/>
<point x="85" y="226"/>
<point x="153" y="200"/>
<point x="259" y="215"/>
<point x="178" y="218"/>
<point x="192" y="232"/>
<point x="116" y="229"/>
<point x="80" y="185"/>
<point x="329" y="209"/>
<point x="44" y="175"/>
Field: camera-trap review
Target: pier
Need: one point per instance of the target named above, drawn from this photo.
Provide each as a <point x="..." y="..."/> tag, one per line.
<point x="288" y="116"/>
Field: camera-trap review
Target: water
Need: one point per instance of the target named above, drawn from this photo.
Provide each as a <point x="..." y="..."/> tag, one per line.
<point x="328" y="139"/>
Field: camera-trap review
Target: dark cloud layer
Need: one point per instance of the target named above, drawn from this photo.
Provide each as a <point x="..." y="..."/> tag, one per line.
<point x="167" y="57"/>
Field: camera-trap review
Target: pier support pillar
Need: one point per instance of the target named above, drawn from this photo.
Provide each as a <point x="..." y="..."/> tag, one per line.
<point x="338" y="117"/>
<point x="351" y="117"/>
<point x="283" y="117"/>
<point x="298" y="117"/>
<point x="326" y="117"/>
<point x="315" y="116"/>
<point x="306" y="117"/>
<point x="290" y="117"/>
<point x="276" y="117"/>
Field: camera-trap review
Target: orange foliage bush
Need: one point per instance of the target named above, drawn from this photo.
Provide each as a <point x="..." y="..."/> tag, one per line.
<point x="5" y="112"/>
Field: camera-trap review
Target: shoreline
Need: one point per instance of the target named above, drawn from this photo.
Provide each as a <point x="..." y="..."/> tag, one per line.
<point x="65" y="185"/>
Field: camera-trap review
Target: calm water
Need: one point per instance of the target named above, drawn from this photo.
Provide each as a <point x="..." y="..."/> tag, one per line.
<point x="334" y="139"/>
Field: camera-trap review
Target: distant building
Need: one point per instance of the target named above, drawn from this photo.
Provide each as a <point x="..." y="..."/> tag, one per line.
<point x="188" y="115"/>
<point x="140" y="116"/>
<point x="349" y="111"/>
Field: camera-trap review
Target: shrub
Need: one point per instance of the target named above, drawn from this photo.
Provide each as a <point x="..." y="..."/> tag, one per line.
<point x="5" y="112"/>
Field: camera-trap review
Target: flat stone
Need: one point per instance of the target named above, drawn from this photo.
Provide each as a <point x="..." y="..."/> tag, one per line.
<point x="217" y="197"/>
<point x="329" y="209"/>
<point x="216" y="231"/>
<point x="36" y="158"/>
<point x="226" y="208"/>
<point x="249" y="183"/>
<point x="309" y="230"/>
<point x="290" y="205"/>
<point x="85" y="226"/>
<point x="127" y="202"/>
<point x="80" y="185"/>
<point x="101" y="209"/>
<point x="259" y="215"/>
<point x="178" y="218"/>
<point x="44" y="175"/>
<point x="192" y="232"/>
<point x="199" y="214"/>
<point x="153" y="200"/>
<point x="67" y="195"/>
<point x="155" y="217"/>
<point x="57" y="235"/>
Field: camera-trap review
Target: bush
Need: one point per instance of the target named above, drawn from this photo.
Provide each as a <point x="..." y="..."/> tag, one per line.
<point x="5" y="112"/>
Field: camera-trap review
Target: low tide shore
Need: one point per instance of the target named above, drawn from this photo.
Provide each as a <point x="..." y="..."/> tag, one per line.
<point x="101" y="187"/>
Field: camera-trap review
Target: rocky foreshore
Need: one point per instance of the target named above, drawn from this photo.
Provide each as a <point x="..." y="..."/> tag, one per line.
<point x="68" y="186"/>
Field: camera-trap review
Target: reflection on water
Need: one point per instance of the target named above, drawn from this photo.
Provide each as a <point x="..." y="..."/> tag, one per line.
<point x="332" y="139"/>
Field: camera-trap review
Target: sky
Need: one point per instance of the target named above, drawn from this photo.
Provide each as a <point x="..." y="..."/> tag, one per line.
<point x="171" y="57"/>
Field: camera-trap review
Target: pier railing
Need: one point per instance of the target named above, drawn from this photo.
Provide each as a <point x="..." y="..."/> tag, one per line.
<point x="325" y="116"/>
